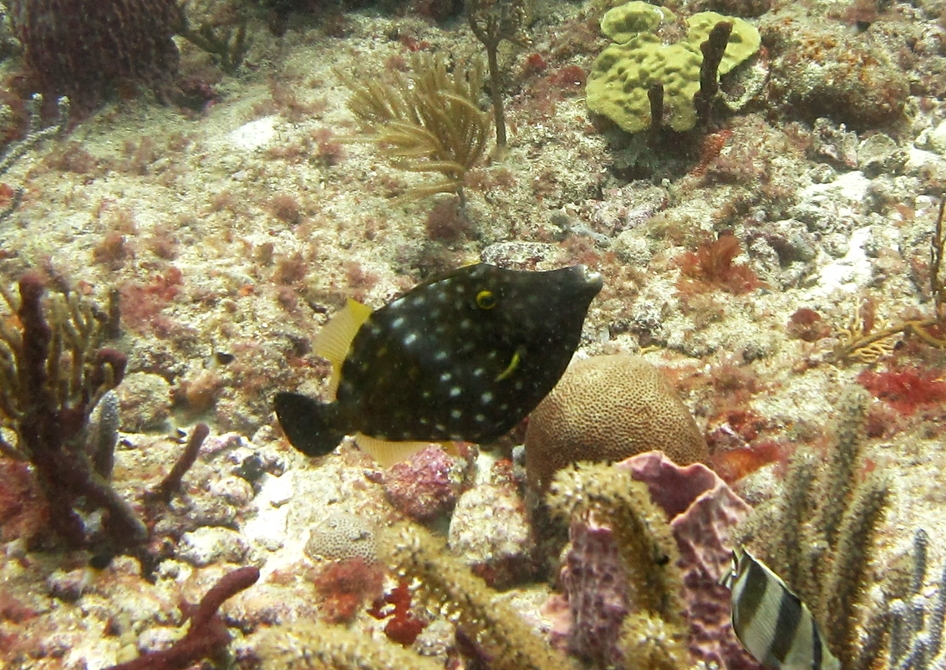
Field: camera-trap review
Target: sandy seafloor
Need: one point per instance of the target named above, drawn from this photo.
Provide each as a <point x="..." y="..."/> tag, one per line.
<point x="236" y="230"/>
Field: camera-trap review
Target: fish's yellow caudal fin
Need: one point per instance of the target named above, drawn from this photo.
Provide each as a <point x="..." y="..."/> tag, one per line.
<point x="308" y="423"/>
<point x="388" y="453"/>
<point x="333" y="341"/>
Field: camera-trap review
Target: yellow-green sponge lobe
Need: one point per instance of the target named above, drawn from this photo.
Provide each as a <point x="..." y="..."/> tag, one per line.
<point x="623" y="73"/>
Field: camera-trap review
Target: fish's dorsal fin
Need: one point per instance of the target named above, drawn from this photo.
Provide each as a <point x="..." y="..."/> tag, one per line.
<point x="388" y="453"/>
<point x="334" y="340"/>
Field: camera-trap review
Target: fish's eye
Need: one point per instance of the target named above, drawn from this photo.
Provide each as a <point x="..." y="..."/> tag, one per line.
<point x="485" y="299"/>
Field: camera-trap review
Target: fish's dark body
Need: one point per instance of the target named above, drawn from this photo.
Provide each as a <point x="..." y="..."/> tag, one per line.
<point x="464" y="356"/>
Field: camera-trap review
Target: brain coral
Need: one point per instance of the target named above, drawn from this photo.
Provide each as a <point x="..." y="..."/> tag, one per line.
<point x="607" y="408"/>
<point x="341" y="536"/>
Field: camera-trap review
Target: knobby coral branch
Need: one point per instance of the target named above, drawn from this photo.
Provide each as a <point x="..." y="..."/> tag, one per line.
<point x="47" y="403"/>
<point x="712" y="49"/>
<point x="207" y="636"/>
<point x="172" y="482"/>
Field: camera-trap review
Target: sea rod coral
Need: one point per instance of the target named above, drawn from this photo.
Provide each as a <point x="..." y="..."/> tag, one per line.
<point x="55" y="375"/>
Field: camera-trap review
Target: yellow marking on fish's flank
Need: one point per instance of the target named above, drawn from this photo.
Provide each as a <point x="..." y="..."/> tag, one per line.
<point x="513" y="364"/>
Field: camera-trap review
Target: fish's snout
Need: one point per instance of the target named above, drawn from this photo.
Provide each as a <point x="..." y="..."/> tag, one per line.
<point x="590" y="279"/>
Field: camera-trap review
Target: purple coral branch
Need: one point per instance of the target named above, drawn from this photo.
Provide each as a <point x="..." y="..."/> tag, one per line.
<point x="48" y="427"/>
<point x="207" y="636"/>
<point x="172" y="482"/>
<point x="712" y="49"/>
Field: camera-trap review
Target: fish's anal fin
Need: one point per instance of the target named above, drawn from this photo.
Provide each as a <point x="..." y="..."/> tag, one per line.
<point x="334" y="340"/>
<point x="307" y="423"/>
<point x="386" y="452"/>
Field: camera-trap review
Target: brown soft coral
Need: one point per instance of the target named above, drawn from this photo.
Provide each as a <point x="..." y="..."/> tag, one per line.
<point x="608" y="408"/>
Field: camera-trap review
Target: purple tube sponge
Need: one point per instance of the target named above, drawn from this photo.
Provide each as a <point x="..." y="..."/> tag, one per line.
<point x="83" y="48"/>
<point x="609" y="597"/>
<point x="703" y="513"/>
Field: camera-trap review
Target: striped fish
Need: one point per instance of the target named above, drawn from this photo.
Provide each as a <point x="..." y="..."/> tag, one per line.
<point x="771" y="622"/>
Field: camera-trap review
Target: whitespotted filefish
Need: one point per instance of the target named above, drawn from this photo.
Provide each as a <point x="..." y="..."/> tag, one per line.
<point x="464" y="357"/>
<point x="772" y="623"/>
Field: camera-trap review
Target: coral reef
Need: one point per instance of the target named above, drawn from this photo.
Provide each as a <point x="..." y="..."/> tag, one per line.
<point x="624" y="74"/>
<point x="218" y="242"/>
<point x="448" y="587"/>
<point x="642" y="529"/>
<point x="820" y="533"/>
<point x="607" y="408"/>
<point x="85" y="48"/>
<point x="427" y="121"/>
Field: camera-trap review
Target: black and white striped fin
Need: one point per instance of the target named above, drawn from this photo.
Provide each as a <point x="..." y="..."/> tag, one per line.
<point x="772" y="623"/>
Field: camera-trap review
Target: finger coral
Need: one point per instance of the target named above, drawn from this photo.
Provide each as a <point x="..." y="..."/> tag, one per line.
<point x="608" y="408"/>
<point x="83" y="48"/>
<point x="649" y="542"/>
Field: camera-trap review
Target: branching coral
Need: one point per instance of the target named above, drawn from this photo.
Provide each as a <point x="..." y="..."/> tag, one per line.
<point x="914" y="623"/>
<point x="448" y="587"/>
<point x="818" y="535"/>
<point x="427" y="121"/>
<point x="57" y="411"/>
<point x="493" y="21"/>
<point x="207" y="636"/>
<point x="53" y="374"/>
<point x="644" y="610"/>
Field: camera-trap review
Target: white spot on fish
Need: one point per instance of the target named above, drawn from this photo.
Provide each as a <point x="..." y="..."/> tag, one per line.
<point x="466" y="324"/>
<point x="398" y="322"/>
<point x="441" y="355"/>
<point x="479" y="372"/>
<point x="410" y="339"/>
<point x="455" y="392"/>
<point x="455" y="413"/>
<point x="480" y="418"/>
<point x="486" y="398"/>
<point x="446" y="376"/>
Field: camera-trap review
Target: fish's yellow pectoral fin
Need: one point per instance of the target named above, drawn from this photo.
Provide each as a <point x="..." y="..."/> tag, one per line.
<point x="334" y="340"/>
<point x="388" y="453"/>
<point x="451" y="448"/>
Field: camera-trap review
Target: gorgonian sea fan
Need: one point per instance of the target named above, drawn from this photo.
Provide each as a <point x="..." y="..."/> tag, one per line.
<point x="83" y="48"/>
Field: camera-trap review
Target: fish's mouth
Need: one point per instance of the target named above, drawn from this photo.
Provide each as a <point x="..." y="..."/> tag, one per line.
<point x="592" y="280"/>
